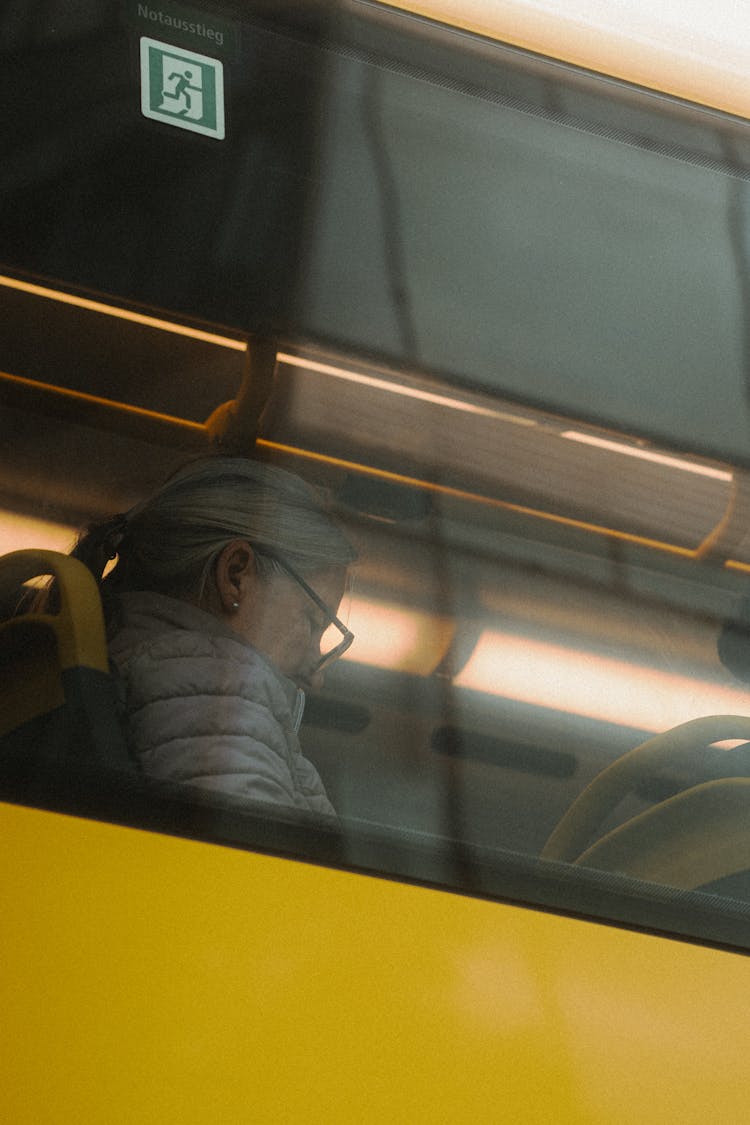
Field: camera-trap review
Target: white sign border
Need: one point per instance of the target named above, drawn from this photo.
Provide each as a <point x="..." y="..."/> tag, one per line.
<point x="219" y="133"/>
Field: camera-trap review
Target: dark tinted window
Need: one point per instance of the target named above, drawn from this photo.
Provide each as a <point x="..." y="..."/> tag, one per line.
<point x="509" y="300"/>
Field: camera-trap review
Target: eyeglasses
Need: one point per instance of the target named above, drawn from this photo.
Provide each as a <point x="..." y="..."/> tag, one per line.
<point x="338" y="650"/>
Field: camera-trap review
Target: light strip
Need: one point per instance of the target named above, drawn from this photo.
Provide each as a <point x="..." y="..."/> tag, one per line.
<point x="403" y="391"/>
<point x="123" y="314"/>
<point x="592" y="686"/>
<point x="386" y="635"/>
<point x="647" y="455"/>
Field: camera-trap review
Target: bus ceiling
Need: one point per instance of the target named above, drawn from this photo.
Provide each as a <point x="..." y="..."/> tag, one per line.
<point x="176" y="388"/>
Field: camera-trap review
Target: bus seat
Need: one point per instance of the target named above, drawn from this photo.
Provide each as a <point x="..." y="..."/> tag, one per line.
<point x="694" y="838"/>
<point x="57" y="698"/>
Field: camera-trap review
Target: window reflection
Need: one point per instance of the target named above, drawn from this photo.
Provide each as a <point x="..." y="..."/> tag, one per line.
<point x="593" y="686"/>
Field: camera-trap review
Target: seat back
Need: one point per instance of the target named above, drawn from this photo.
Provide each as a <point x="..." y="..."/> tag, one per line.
<point x="57" y="698"/>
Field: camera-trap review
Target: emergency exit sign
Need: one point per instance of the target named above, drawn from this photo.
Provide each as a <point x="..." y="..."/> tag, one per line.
<point x="182" y="88"/>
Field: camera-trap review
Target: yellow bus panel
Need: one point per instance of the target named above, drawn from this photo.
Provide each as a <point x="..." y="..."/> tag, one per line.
<point x="162" y="980"/>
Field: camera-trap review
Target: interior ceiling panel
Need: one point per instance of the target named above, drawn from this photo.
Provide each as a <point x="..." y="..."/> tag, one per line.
<point x="99" y="354"/>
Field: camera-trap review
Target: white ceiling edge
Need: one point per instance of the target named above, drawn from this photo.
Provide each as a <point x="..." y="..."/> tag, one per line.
<point x="692" y="49"/>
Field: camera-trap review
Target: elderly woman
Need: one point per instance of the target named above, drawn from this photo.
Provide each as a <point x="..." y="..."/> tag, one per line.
<point x="226" y="580"/>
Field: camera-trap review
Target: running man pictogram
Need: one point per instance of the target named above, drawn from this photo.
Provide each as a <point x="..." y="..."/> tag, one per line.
<point x="182" y="85"/>
<point x="183" y="88"/>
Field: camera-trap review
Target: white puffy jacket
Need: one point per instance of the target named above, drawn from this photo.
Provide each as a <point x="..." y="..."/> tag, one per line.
<point x="203" y="707"/>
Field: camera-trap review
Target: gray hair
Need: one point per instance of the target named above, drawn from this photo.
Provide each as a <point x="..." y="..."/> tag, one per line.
<point x="170" y="541"/>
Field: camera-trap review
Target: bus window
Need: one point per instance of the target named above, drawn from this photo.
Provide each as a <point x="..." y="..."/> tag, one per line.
<point x="505" y="301"/>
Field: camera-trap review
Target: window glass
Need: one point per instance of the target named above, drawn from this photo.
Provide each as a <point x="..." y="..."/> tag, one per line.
<point x="508" y="305"/>
<point x="576" y="246"/>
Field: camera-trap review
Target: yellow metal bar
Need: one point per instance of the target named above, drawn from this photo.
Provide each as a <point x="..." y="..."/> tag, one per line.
<point x="477" y="498"/>
<point x="713" y="537"/>
<point x="78" y="405"/>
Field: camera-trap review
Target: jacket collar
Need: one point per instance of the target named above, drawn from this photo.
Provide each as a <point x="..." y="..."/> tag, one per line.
<point x="146" y="612"/>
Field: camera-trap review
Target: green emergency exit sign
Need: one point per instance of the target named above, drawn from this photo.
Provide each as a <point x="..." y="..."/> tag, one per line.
<point x="182" y="88"/>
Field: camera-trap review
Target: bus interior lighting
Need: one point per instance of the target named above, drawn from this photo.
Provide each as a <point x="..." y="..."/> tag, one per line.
<point x="648" y="455"/>
<point x="406" y="391"/>
<point x="592" y="686"/>
<point x="122" y="314"/>
<point x="22" y="531"/>
<point x="392" y="637"/>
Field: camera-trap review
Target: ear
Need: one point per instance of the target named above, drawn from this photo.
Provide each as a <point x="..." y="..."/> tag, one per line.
<point x="236" y="576"/>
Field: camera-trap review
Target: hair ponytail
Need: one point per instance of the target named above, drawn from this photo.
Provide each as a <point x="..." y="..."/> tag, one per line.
<point x="100" y="543"/>
<point x="96" y="547"/>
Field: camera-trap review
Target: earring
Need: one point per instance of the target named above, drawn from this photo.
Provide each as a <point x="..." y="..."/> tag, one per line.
<point x="235" y="605"/>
